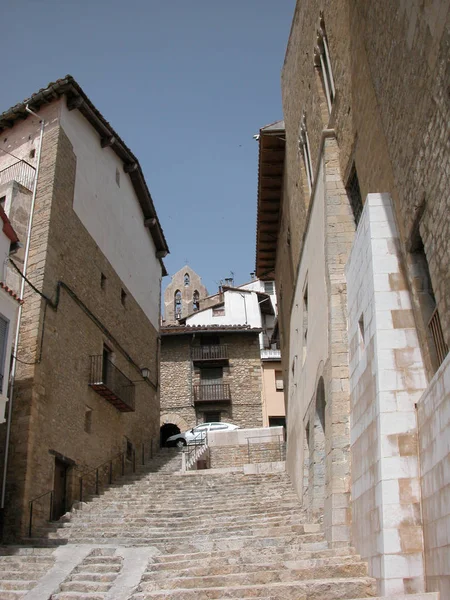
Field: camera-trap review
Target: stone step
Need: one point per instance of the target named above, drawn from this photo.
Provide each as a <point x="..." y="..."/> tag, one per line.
<point x="77" y="596"/>
<point x="261" y="576"/>
<point x="322" y="589"/>
<point x="85" y="586"/>
<point x="96" y="568"/>
<point x="221" y="567"/>
<point x="12" y="594"/>
<point x="14" y="584"/>
<point x="248" y="557"/>
<point x="104" y="577"/>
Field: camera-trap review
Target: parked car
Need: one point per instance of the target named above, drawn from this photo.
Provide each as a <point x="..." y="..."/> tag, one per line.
<point x="198" y="434"/>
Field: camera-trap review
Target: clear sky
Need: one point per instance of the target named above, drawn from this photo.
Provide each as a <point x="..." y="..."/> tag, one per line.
<point x="186" y="84"/>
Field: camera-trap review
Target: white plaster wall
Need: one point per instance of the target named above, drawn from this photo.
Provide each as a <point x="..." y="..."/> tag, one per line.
<point x="258" y="286"/>
<point x="433" y="412"/>
<point x="386" y="379"/>
<point x="112" y="214"/>
<point x="303" y="373"/>
<point x="240" y="309"/>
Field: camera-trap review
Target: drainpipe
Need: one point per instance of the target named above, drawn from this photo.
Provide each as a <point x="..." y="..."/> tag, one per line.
<point x="245" y="307"/>
<point x="19" y="314"/>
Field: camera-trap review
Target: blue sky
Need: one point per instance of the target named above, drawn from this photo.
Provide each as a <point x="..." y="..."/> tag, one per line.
<point x="186" y="83"/>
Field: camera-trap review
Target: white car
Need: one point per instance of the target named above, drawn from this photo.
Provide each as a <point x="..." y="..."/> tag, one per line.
<point x="198" y="434"/>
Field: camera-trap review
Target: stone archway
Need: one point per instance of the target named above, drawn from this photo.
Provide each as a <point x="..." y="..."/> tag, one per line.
<point x="166" y="431"/>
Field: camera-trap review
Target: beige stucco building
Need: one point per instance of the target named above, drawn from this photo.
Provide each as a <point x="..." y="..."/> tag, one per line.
<point x="354" y="224"/>
<point x="87" y="380"/>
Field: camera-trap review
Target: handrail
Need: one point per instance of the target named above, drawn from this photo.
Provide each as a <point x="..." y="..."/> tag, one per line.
<point x="30" y="522"/>
<point x="276" y="439"/>
<point x="199" y="440"/>
<point x="19" y="172"/>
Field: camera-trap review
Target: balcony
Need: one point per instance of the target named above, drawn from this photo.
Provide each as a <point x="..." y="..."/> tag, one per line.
<point x="217" y="353"/>
<point x="21" y="172"/>
<point x="270" y="354"/>
<point x="110" y="383"/>
<point x="212" y="392"/>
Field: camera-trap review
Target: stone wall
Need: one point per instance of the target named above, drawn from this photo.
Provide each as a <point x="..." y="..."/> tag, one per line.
<point x="52" y="394"/>
<point x="242" y="373"/>
<point x="246" y="446"/>
<point x="433" y="412"/>
<point x="178" y="283"/>
<point x="387" y="378"/>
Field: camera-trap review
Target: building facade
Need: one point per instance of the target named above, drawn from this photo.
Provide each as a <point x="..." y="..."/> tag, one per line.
<point x="209" y="373"/>
<point x="353" y="223"/>
<point x="87" y="378"/>
<point x="183" y="295"/>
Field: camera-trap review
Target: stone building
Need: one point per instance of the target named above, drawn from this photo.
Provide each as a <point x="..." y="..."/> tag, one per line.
<point x="86" y="385"/>
<point x="209" y="373"/>
<point x="354" y="225"/>
<point x="183" y="294"/>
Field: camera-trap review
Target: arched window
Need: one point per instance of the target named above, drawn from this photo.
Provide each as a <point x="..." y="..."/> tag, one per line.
<point x="177" y="304"/>
<point x="196" y="301"/>
<point x="304" y="147"/>
<point x="187" y="280"/>
<point x="322" y="60"/>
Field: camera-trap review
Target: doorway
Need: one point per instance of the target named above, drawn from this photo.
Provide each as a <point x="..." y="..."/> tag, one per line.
<point x="59" y="489"/>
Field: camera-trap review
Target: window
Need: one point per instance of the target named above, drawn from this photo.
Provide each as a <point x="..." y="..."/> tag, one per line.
<point x="177" y="301"/>
<point x="354" y="194"/>
<point x="196" y="301"/>
<point x="187" y="280"/>
<point x="4" y="327"/>
<point x="305" y="321"/>
<point x="123" y="296"/>
<point x="103" y="281"/>
<point x="362" y="341"/>
<point x="279" y="384"/>
<point x="3" y="201"/>
<point x="106" y="369"/>
<point x="218" y="311"/>
<point x="118" y="177"/>
<point x="32" y="153"/>
<point x="322" y="60"/>
<point x="303" y="142"/>
<point x="211" y="417"/>
<point x="88" y="419"/>
<point x="277" y="421"/>
<point x="269" y="287"/>
<point x="211" y="375"/>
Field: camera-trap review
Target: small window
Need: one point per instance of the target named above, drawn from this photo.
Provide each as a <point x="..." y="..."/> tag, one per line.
<point x="32" y="153"/>
<point x="212" y="417"/>
<point x="322" y="60"/>
<point x="187" y="280"/>
<point x="88" y="419"/>
<point x="354" y="194"/>
<point x="305" y="322"/>
<point x="269" y="287"/>
<point x="305" y="147"/>
<point x="2" y="201"/>
<point x="218" y="311"/>
<point x="103" y="281"/>
<point x="123" y="297"/>
<point x="279" y="383"/>
<point x="118" y="177"/>
<point x="362" y="343"/>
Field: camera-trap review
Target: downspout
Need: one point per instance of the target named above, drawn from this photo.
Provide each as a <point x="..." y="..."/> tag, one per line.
<point x="245" y="307"/>
<point x="19" y="314"/>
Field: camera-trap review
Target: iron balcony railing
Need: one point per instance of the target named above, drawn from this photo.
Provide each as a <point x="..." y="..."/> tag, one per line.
<point x="209" y="353"/>
<point x="435" y="327"/>
<point x="109" y="381"/>
<point x="20" y="171"/>
<point x="212" y="392"/>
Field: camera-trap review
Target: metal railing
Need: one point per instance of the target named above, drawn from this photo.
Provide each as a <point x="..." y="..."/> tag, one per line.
<point x="109" y="381"/>
<point x="93" y="480"/>
<point x="216" y="352"/>
<point x="435" y="327"/>
<point x="200" y="440"/>
<point x="212" y="392"/>
<point x="31" y="505"/>
<point x="20" y="171"/>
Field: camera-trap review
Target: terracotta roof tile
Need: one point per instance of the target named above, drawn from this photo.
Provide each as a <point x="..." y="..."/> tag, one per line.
<point x="10" y="292"/>
<point x="186" y="329"/>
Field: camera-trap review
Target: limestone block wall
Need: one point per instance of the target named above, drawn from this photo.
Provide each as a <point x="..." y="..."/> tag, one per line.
<point x="433" y="412"/>
<point x="246" y="446"/>
<point x="386" y="380"/>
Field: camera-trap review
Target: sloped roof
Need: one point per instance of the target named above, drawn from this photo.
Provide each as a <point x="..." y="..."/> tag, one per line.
<point x="270" y="189"/>
<point x="77" y="99"/>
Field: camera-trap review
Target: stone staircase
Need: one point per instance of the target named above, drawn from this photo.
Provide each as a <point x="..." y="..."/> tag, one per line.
<point x="162" y="535"/>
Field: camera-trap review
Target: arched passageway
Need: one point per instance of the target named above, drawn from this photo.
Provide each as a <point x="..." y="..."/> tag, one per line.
<point x="166" y="431"/>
